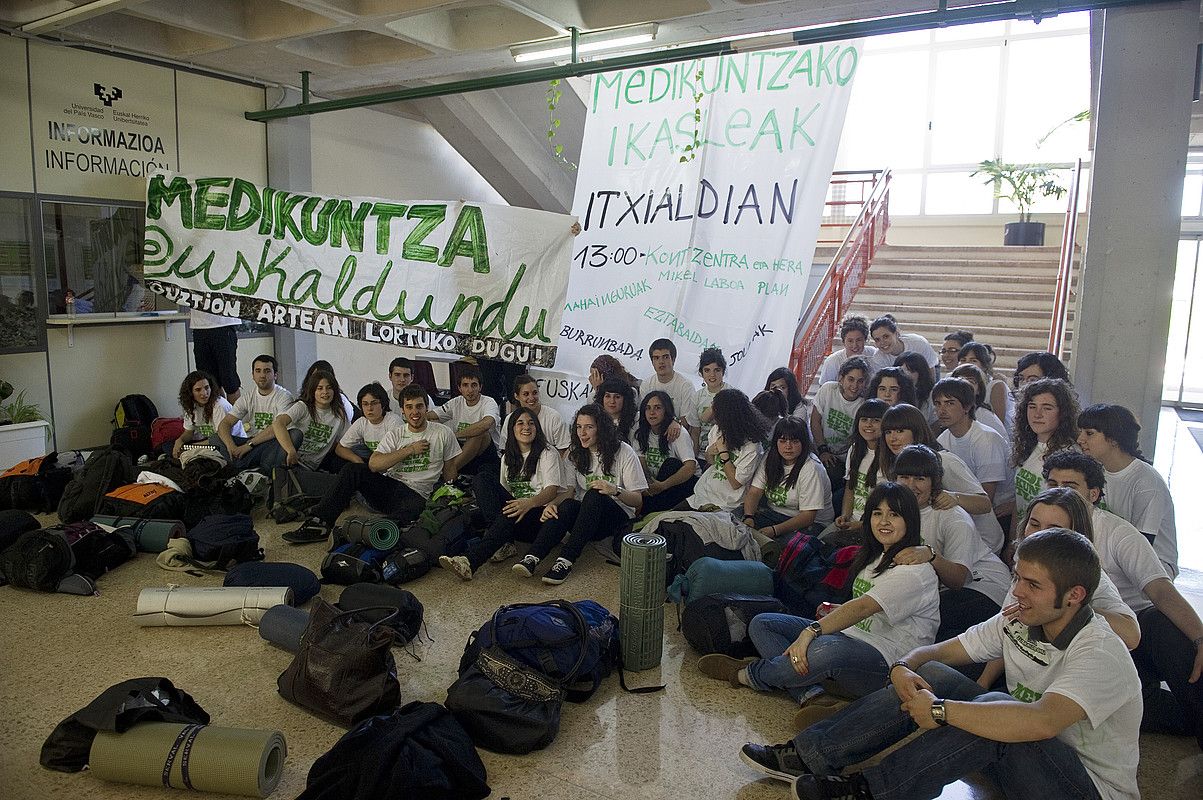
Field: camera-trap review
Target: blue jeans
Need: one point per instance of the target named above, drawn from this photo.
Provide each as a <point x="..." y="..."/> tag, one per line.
<point x="264" y="457"/>
<point x="1037" y="770"/>
<point x="855" y="667"/>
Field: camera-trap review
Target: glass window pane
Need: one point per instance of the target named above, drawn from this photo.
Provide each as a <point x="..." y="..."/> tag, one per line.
<point x="887" y="113"/>
<point x="981" y="30"/>
<point x="1048" y="82"/>
<point x="1192" y="191"/>
<point x="893" y="40"/>
<point x="96" y="252"/>
<point x="966" y="105"/>
<point x="906" y="194"/>
<point x="957" y="193"/>
<point x="19" y="315"/>
<point x="1175" y="352"/>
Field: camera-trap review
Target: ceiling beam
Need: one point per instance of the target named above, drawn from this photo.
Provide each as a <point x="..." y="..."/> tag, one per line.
<point x="73" y="15"/>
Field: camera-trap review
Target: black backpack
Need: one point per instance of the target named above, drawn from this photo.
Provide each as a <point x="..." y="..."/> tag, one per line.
<point x="66" y="558"/>
<point x="105" y="470"/>
<point x="133" y="417"/>
<point x="373" y="596"/>
<point x="224" y="540"/>
<point x="35" y="484"/>
<point x="353" y="562"/>
<point x="718" y="623"/>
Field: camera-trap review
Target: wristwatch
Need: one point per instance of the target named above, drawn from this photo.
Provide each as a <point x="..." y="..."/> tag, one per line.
<point x="816" y="628"/>
<point x="937" y="712"/>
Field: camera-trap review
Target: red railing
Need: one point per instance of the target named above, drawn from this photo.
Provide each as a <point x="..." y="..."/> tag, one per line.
<point x="847" y="194"/>
<point x="818" y="324"/>
<point x="1056" y="333"/>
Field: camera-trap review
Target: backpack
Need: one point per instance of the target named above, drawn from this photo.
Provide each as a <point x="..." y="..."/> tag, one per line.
<point x="132" y="419"/>
<point x="222" y="540"/>
<point x="708" y="576"/>
<point x="441" y="529"/>
<point x="144" y="501"/>
<point x="353" y="562"/>
<point x="105" y="470"/>
<point x="718" y="623"/>
<point x="36" y="484"/>
<point x="804" y="563"/>
<point x="66" y="558"/>
<point x="404" y="565"/>
<point x="371" y="597"/>
<point x="164" y="430"/>
<point x="295" y="491"/>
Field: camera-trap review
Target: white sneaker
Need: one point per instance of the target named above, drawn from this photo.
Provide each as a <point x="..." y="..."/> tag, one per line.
<point x="457" y="564"/>
<point x="504" y="553"/>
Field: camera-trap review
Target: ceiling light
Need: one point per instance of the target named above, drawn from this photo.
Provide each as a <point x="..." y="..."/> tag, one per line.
<point x="592" y="42"/>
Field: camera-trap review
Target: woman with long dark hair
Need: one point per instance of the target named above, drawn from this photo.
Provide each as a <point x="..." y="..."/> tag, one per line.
<point x="670" y="467"/>
<point x="789" y="490"/>
<point x="204" y="409"/>
<point x="1045" y="421"/>
<point x="617" y="398"/>
<point x="531" y="477"/>
<point x="735" y="442"/>
<point x="981" y="355"/>
<point x="894" y="608"/>
<point x="917" y="370"/>
<point x="861" y="462"/>
<point x="893" y="385"/>
<point x="609" y="484"/>
<point x="317" y="418"/>
<point x="783" y="380"/>
<point x="984" y="412"/>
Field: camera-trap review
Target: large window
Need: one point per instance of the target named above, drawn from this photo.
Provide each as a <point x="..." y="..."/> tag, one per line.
<point x="931" y="105"/>
<point x="19" y="317"/>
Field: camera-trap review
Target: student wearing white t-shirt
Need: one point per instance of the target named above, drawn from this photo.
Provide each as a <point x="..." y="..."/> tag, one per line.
<point x="401" y="375"/>
<point x="983" y="450"/>
<point x="474" y="419"/>
<point x="255" y="410"/>
<point x="526" y="395"/>
<point x="670" y="467"/>
<point x="617" y="398"/>
<point x="318" y="418"/>
<point x="348" y="407"/>
<point x="854" y="332"/>
<point x="1068" y="725"/>
<point x="734" y="451"/>
<point x="712" y="366"/>
<point x="203" y="410"/>
<point x="894" y="609"/>
<point x="1135" y="490"/>
<point x="834" y="409"/>
<point x="608" y="483"/>
<point x="861" y="472"/>
<point x="1171" y="641"/>
<point x="973" y="582"/>
<point x="364" y="435"/>
<point x="915" y="367"/>
<point x="787" y="492"/>
<point x="1045" y="422"/>
<point x="784" y="380"/>
<point x="531" y="477"/>
<point x="663" y="354"/>
<point x="892" y="343"/>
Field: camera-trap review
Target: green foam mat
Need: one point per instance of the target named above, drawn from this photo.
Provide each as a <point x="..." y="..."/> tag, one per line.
<point x="641" y="600"/>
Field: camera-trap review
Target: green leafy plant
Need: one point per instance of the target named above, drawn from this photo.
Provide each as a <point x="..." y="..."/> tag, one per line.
<point x="1020" y="183"/>
<point x="554" y="93"/>
<point x="690" y="151"/>
<point x="18" y="410"/>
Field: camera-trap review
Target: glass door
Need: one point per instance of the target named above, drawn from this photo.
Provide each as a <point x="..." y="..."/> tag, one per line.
<point x="1183" y="382"/>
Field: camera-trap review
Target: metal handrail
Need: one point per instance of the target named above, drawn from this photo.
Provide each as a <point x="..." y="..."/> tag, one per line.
<point x="1056" y="334"/>
<point x="831" y="298"/>
<point x="836" y="220"/>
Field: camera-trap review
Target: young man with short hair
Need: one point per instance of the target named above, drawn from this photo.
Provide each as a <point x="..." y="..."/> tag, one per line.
<point x="663" y="354"/>
<point x="983" y="449"/>
<point x="892" y="343"/>
<point x="366" y="433"/>
<point x="1069" y="726"/>
<point x="526" y="395"/>
<point x="400" y="375"/>
<point x="1171" y="633"/>
<point x="399" y="476"/>
<point x="473" y="417"/>
<point x="255" y="410"/>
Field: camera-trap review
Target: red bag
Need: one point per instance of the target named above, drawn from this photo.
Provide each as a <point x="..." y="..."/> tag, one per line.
<point x="165" y="429"/>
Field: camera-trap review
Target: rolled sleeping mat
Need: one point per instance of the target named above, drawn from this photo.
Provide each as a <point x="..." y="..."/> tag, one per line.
<point x="641" y="600"/>
<point x="210" y="605"/>
<point x="200" y="757"/>
<point x="284" y="626"/>
<point x="379" y="533"/>
<point x="150" y="535"/>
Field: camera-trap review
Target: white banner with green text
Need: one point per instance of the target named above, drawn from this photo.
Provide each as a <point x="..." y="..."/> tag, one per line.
<point x="455" y="277"/>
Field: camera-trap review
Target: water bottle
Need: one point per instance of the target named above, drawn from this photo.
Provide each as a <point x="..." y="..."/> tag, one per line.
<point x="70" y="298"/>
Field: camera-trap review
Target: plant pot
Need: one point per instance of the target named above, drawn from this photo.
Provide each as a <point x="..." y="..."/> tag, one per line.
<point x="22" y="440"/>
<point x="1026" y="234"/>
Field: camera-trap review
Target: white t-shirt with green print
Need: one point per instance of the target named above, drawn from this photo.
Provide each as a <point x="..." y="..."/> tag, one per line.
<point x="319" y="433"/>
<point x="659" y="450"/>
<point x="202" y="429"/>
<point x="713" y="488"/>
<point x="369" y="434"/>
<point x="1029" y="479"/>
<point x="805" y="495"/>
<point x="860" y="492"/>
<point x="549" y="471"/>
<point x="625" y="473"/>
<point x="456" y="414"/>
<point x="257" y="411"/>
<point x="838" y="416"/>
<point x="909" y="597"/>
<point x="703" y="398"/>
<point x="420" y="472"/>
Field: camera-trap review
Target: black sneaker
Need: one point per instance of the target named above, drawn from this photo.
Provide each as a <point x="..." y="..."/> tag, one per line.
<point x="778" y="761"/>
<point x="311" y="531"/>
<point x="526" y="567"/>
<point x="559" y="572"/>
<point x="831" y="787"/>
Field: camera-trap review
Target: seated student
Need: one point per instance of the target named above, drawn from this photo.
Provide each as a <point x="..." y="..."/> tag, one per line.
<point x="917" y="370"/>
<point x="474" y="419"/>
<point x="1135" y="490"/>
<point x="399" y="476"/>
<point x="771" y="404"/>
<point x="618" y="400"/>
<point x="526" y="395"/>
<point x="605" y="367"/>
<point x="861" y="463"/>
<point x="203" y="409"/>
<point x="663" y="354"/>
<point x="712" y="366"/>
<point x="400" y="375"/>
<point x="973" y="582"/>
<point x="1034" y="366"/>
<point x="787" y="491"/>
<point x="903" y="425"/>
<point x="734" y="451"/>
<point x="982" y="356"/>
<point x="893" y="385"/>
<point x="831" y="417"/>
<point x="531" y="477"/>
<point x="670" y="467"/>
<point x="1171" y="633"/>
<point x="1069" y="726"/>
<point x="364" y="435"/>
<point x="255" y="410"/>
<point x="951" y="350"/>
<point x="983" y="413"/>
<point x="1045" y="422"/>
<point x="307" y="430"/>
<point x="785" y="381"/>
<point x="894" y="608"/>
<point x="892" y="343"/>
<point x="324" y="365"/>
<point x="983" y="450"/>
<point x="854" y="332"/>
<point x="608" y="483"/>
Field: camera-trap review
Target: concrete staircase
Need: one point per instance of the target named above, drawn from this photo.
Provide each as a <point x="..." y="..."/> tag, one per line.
<point x="1003" y="294"/>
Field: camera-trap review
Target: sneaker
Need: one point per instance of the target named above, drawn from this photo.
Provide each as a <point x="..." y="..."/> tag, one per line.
<point x="504" y="553"/>
<point x="778" y="761"/>
<point x="313" y="530"/>
<point x="457" y="564"/>
<point x="830" y="787"/>
<point x="526" y="567"/>
<point x="559" y="572"/>
<point x="722" y="667"/>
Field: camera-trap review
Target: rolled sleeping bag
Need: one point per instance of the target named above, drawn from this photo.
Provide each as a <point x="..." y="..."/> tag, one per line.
<point x="210" y="605"/>
<point x="284" y="626"/>
<point x="200" y="757"/>
<point x="150" y="535"/>
<point x="379" y="533"/>
<point x="304" y="584"/>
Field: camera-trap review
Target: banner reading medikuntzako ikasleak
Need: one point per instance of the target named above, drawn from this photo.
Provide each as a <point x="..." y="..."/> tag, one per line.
<point x="458" y="277"/>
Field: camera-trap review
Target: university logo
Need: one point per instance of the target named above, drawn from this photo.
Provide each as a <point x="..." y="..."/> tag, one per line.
<point x="106" y="96"/>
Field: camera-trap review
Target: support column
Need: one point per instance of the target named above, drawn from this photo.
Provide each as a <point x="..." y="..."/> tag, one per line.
<point x="1142" y="122"/>
<point x="290" y="166"/>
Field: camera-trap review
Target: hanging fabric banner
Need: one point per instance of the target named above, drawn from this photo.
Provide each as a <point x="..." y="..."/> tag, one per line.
<point x="700" y="192"/>
<point x="456" y="277"/>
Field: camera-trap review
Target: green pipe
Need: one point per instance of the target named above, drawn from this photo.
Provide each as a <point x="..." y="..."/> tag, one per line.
<point x="993" y="12"/>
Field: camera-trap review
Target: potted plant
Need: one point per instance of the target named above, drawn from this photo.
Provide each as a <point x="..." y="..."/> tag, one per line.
<point x="24" y="431"/>
<point x="1021" y="184"/>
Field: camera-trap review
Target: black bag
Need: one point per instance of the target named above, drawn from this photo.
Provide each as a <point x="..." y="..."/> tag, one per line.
<point x="439" y="531"/>
<point x="718" y="623"/>
<point x="223" y="540"/>
<point x="105" y="470"/>
<point x="66" y="558"/>
<point x="405" y="624"/>
<point x="344" y="671"/>
<point x="353" y="562"/>
<point x="404" y="565"/>
<point x="36" y="484"/>
<point x="13" y="523"/>
<point x="144" y="501"/>
<point x="295" y="491"/>
<point x="132" y="420"/>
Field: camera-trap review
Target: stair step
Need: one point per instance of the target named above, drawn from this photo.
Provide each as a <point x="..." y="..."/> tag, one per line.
<point x="1045" y="284"/>
<point x="998" y="252"/>
<point x="953" y="317"/>
<point x="963" y="266"/>
<point x="967" y="303"/>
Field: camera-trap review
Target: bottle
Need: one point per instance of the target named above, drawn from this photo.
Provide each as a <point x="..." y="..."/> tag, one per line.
<point x="70" y="298"/>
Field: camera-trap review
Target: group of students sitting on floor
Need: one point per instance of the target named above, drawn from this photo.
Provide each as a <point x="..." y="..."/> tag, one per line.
<point x="938" y="518"/>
